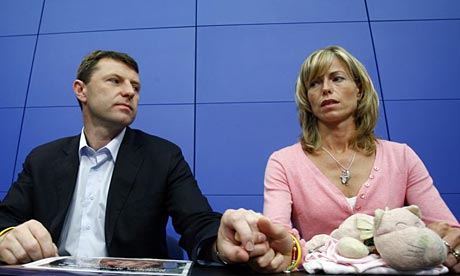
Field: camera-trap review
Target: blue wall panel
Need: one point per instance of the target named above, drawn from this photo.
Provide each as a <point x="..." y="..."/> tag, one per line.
<point x="222" y="203"/>
<point x="415" y="59"/>
<point x="89" y="15"/>
<point x="166" y="59"/>
<point x="261" y="63"/>
<point x="16" y="55"/>
<point x="234" y="141"/>
<point x="431" y="128"/>
<point x="211" y="12"/>
<point x="172" y="122"/>
<point x="413" y="9"/>
<point x="20" y="17"/>
<point x="453" y="201"/>
<point x="10" y="120"/>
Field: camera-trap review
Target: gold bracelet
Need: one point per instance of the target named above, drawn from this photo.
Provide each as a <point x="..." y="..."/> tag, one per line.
<point x="452" y="251"/>
<point x="296" y="255"/>
<point x="6" y="230"/>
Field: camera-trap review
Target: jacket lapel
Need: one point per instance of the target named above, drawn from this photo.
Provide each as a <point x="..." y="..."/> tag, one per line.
<point x="66" y="172"/>
<point x="129" y="160"/>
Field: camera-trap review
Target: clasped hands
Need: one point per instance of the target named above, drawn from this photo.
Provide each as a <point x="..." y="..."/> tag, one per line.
<point x="248" y="237"/>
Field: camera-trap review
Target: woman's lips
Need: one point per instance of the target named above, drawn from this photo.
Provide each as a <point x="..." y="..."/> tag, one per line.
<point x="328" y="102"/>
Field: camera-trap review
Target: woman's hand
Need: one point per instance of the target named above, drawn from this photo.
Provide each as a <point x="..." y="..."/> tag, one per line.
<point x="279" y="256"/>
<point x="451" y="237"/>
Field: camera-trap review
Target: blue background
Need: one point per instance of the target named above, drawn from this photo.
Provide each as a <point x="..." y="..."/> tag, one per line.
<point x="218" y="77"/>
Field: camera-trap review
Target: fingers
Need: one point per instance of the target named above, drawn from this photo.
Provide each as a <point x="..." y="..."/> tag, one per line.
<point x="453" y="257"/>
<point x="279" y="237"/>
<point x="271" y="262"/>
<point x="247" y="236"/>
<point x="271" y="230"/>
<point x="240" y="227"/>
<point x="259" y="249"/>
<point x="27" y="242"/>
<point x="44" y="242"/>
<point x="11" y="251"/>
<point x="238" y="238"/>
<point x="439" y="227"/>
<point x="451" y="237"/>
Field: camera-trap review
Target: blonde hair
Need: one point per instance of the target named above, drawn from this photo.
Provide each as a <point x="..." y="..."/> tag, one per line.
<point x="366" y="113"/>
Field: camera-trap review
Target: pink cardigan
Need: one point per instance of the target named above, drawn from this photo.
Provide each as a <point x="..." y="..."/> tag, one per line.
<point x="299" y="196"/>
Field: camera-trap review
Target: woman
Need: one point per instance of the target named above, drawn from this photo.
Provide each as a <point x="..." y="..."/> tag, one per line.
<point x="340" y="167"/>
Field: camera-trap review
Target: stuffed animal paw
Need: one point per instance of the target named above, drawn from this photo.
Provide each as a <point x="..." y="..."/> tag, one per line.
<point x="351" y="235"/>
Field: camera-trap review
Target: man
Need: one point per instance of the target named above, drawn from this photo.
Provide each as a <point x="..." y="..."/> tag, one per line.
<point x="110" y="190"/>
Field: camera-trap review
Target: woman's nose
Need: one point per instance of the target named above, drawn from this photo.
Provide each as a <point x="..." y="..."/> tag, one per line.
<point x="326" y="87"/>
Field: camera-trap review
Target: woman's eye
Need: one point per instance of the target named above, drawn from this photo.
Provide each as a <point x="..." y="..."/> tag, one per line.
<point x="314" y="84"/>
<point x="338" y="79"/>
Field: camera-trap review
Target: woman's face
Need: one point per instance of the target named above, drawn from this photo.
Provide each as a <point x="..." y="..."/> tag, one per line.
<point x="334" y="95"/>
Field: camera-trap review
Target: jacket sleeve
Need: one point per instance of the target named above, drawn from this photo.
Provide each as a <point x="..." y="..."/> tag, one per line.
<point x="16" y="207"/>
<point x="192" y="216"/>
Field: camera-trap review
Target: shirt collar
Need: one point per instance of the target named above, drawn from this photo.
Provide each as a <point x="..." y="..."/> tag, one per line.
<point x="113" y="146"/>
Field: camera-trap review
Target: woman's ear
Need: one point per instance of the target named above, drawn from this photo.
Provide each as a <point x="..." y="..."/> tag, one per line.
<point x="79" y="90"/>
<point x="359" y="94"/>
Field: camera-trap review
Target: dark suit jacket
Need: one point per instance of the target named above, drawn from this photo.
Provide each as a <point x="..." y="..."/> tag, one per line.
<point x="151" y="181"/>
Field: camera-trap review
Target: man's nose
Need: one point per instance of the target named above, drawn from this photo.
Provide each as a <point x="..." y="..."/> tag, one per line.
<point x="128" y="89"/>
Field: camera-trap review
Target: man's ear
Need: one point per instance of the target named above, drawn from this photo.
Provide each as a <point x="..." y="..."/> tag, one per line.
<point x="79" y="90"/>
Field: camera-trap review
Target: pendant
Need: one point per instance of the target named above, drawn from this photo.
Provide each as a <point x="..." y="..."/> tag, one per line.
<point x="345" y="176"/>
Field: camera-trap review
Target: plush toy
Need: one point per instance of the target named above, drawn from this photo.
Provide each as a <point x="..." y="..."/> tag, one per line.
<point x="403" y="241"/>
<point x="399" y="236"/>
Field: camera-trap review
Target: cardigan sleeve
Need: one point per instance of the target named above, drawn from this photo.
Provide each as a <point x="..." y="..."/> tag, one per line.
<point x="422" y="192"/>
<point x="277" y="194"/>
<point x="278" y="199"/>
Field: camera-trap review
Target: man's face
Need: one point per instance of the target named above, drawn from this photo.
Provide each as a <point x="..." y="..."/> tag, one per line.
<point x="112" y="95"/>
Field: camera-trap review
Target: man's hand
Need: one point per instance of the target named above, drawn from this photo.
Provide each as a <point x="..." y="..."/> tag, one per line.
<point x="451" y="237"/>
<point x="27" y="242"/>
<point x="278" y="258"/>
<point x="248" y="237"/>
<point x="238" y="238"/>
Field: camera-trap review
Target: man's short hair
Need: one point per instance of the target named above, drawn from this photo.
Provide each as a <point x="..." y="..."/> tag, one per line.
<point x="88" y="64"/>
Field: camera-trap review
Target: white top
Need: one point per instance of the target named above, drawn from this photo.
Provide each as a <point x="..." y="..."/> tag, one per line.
<point x="83" y="233"/>
<point x="352" y="201"/>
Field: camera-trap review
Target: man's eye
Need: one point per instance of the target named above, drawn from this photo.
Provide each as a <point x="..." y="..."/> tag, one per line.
<point x="113" y="80"/>
<point x="136" y="88"/>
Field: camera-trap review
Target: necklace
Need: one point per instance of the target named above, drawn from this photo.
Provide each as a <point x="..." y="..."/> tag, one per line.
<point x="345" y="176"/>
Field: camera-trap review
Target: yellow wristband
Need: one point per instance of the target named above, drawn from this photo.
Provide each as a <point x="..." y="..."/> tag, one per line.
<point x="296" y="255"/>
<point x="6" y="230"/>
